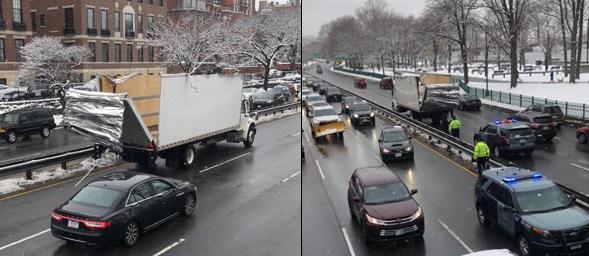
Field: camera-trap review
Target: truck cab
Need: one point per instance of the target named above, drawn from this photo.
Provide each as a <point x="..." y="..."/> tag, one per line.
<point x="325" y="121"/>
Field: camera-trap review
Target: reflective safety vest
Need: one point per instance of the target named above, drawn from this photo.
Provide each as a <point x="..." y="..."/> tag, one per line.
<point x="481" y="150"/>
<point x="454" y="125"/>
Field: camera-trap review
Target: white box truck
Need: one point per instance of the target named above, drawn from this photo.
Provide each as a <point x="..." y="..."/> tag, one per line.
<point x="166" y="115"/>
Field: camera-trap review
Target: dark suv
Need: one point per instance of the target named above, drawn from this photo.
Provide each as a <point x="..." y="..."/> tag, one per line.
<point x="383" y="206"/>
<point x="361" y="113"/>
<point x="551" y="109"/>
<point x="542" y="124"/>
<point x="533" y="210"/>
<point x="333" y="94"/>
<point x="24" y="122"/>
<point x="508" y="137"/>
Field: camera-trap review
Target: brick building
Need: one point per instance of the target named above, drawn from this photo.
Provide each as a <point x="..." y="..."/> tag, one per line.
<point x="15" y="30"/>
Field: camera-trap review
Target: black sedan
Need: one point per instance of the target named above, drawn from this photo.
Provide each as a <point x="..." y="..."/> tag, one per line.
<point x="333" y="94"/>
<point x="323" y="89"/>
<point x="267" y="99"/>
<point x="120" y="206"/>
<point x="468" y="101"/>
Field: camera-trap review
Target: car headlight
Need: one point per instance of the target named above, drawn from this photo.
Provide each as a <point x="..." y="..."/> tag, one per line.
<point x="408" y="149"/>
<point x="355" y="116"/>
<point x="385" y="150"/>
<point x="541" y="232"/>
<point x="374" y="220"/>
<point x="269" y="101"/>
<point x="372" y="114"/>
<point x="347" y="106"/>
<point x="417" y="214"/>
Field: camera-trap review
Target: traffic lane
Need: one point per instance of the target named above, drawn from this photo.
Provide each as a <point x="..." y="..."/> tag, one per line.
<point x="24" y="148"/>
<point x="445" y="194"/>
<point x="246" y="177"/>
<point x="559" y="159"/>
<point x="322" y="233"/>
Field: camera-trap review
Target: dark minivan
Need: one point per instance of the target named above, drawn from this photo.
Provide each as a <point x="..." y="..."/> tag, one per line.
<point x="383" y="206"/>
<point x="24" y="122"/>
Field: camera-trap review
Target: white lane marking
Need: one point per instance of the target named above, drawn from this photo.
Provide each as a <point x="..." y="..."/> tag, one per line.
<point x="307" y="138"/>
<point x="556" y="138"/>
<point x="319" y="168"/>
<point x="169" y="247"/>
<point x="291" y="176"/>
<point x="352" y="253"/>
<point x="455" y="236"/>
<point x="296" y="134"/>
<point x="24" y="239"/>
<point x="580" y="167"/>
<point x="219" y="164"/>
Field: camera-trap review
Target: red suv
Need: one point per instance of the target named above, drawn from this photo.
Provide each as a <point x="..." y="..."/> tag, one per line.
<point x="583" y="134"/>
<point x="386" y="83"/>
<point x="360" y="83"/>
<point x="383" y="206"/>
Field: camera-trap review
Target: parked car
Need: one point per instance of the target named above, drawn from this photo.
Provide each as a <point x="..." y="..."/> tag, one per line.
<point x="533" y="210"/>
<point x="333" y="94"/>
<point x="541" y="124"/>
<point x="25" y="122"/>
<point x="120" y="206"/>
<point x="323" y="89"/>
<point x="394" y="143"/>
<point x="507" y="137"/>
<point x="312" y="98"/>
<point x="383" y="206"/>
<point x="347" y="103"/>
<point x="360" y="83"/>
<point x="318" y="70"/>
<point x="361" y="113"/>
<point x="552" y="109"/>
<point x="15" y="96"/>
<point x="469" y="101"/>
<point x="583" y="134"/>
<point x="250" y="91"/>
<point x="386" y="83"/>
<point x="267" y="99"/>
<point x="282" y="91"/>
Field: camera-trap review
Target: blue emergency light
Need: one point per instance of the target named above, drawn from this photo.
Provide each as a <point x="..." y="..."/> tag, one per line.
<point x="497" y="122"/>
<point x="509" y="179"/>
<point x="529" y="175"/>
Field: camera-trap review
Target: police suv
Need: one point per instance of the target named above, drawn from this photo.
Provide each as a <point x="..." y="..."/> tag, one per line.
<point x="533" y="210"/>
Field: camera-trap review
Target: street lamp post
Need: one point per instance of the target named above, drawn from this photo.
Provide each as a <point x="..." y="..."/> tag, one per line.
<point x="486" y="64"/>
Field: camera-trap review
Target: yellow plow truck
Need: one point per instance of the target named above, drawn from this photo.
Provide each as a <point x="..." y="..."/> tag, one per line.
<point x="325" y="121"/>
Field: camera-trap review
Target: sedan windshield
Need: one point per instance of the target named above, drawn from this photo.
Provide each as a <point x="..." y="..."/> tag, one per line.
<point x="332" y="90"/>
<point x="314" y="98"/>
<point x="98" y="196"/>
<point x="361" y="107"/>
<point x="386" y="193"/>
<point x="349" y="100"/>
<point x="325" y="112"/>
<point x="394" y="136"/>
<point x="542" y="200"/>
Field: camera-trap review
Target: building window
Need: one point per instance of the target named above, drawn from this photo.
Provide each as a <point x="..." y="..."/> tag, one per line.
<point x="149" y="26"/>
<point x="139" y="23"/>
<point x="2" y="52"/>
<point x="1" y="12"/>
<point x="117" y="52"/>
<point x="104" y="19"/>
<point x="19" y="43"/>
<point x="42" y="20"/>
<point x="90" y="12"/>
<point x="161" y="2"/>
<point x="17" y="11"/>
<point x="160" y="57"/>
<point x="92" y="47"/>
<point x="150" y="1"/>
<point x="150" y="53"/>
<point x="105" y="52"/>
<point x="140" y="54"/>
<point x="3" y="81"/>
<point x="128" y="22"/>
<point x="34" y="21"/>
<point x="129" y="53"/>
<point x="117" y="21"/>
<point x="140" y="1"/>
<point x="69" y="18"/>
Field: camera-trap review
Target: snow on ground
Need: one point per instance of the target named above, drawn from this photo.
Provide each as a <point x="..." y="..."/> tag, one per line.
<point x="19" y="183"/>
<point x="576" y="93"/>
<point x="268" y="118"/>
<point x="501" y="105"/>
<point x="355" y="75"/>
<point x="495" y="252"/>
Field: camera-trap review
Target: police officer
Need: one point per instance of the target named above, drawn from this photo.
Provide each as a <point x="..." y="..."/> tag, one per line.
<point x="454" y="128"/>
<point x="481" y="154"/>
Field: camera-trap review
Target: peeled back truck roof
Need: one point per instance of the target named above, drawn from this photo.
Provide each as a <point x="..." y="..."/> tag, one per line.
<point x="171" y="109"/>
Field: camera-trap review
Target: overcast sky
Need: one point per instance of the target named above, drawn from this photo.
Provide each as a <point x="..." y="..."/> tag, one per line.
<point x="319" y="12"/>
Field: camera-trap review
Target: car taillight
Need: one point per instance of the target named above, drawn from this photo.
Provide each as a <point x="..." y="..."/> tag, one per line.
<point x="151" y="145"/>
<point x="97" y="224"/>
<point x="56" y="216"/>
<point x="535" y="125"/>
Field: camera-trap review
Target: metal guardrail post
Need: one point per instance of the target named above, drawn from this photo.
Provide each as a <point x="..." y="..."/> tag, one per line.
<point x="29" y="174"/>
<point x="500" y="100"/>
<point x="64" y="165"/>
<point x="583" y="111"/>
<point x="520" y="100"/>
<point x="532" y="100"/>
<point x="510" y="98"/>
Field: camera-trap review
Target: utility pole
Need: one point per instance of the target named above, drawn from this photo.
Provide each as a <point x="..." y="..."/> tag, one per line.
<point x="587" y="49"/>
<point x="486" y="64"/>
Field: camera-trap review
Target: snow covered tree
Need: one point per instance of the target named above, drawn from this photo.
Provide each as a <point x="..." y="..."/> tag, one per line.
<point x="189" y="40"/>
<point x="46" y="58"/>
<point x="262" y="37"/>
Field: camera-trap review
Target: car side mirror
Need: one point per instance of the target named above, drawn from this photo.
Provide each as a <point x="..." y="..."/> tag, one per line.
<point x="410" y="137"/>
<point x="413" y="191"/>
<point x="573" y="197"/>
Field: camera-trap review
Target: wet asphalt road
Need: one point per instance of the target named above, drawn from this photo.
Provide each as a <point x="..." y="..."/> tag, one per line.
<point x="245" y="206"/>
<point x="563" y="159"/>
<point x="35" y="146"/>
<point x="446" y="193"/>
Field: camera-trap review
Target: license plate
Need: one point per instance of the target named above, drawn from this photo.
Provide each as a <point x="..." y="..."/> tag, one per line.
<point x="73" y="224"/>
<point x="576" y="247"/>
<point x="522" y="141"/>
<point x="545" y="128"/>
<point x="398" y="154"/>
<point x="399" y="232"/>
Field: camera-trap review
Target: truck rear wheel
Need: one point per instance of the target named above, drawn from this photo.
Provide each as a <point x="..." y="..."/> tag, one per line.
<point x="251" y="135"/>
<point x="188" y="157"/>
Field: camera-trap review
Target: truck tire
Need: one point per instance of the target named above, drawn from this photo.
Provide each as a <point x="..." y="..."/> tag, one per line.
<point x="188" y="157"/>
<point x="251" y="135"/>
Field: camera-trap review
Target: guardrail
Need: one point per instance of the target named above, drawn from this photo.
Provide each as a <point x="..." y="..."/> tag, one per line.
<point x="28" y="165"/>
<point x="278" y="109"/>
<point x="458" y="146"/>
<point x="53" y="104"/>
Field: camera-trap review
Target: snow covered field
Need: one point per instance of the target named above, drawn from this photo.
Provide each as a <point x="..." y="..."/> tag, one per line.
<point x="575" y="93"/>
